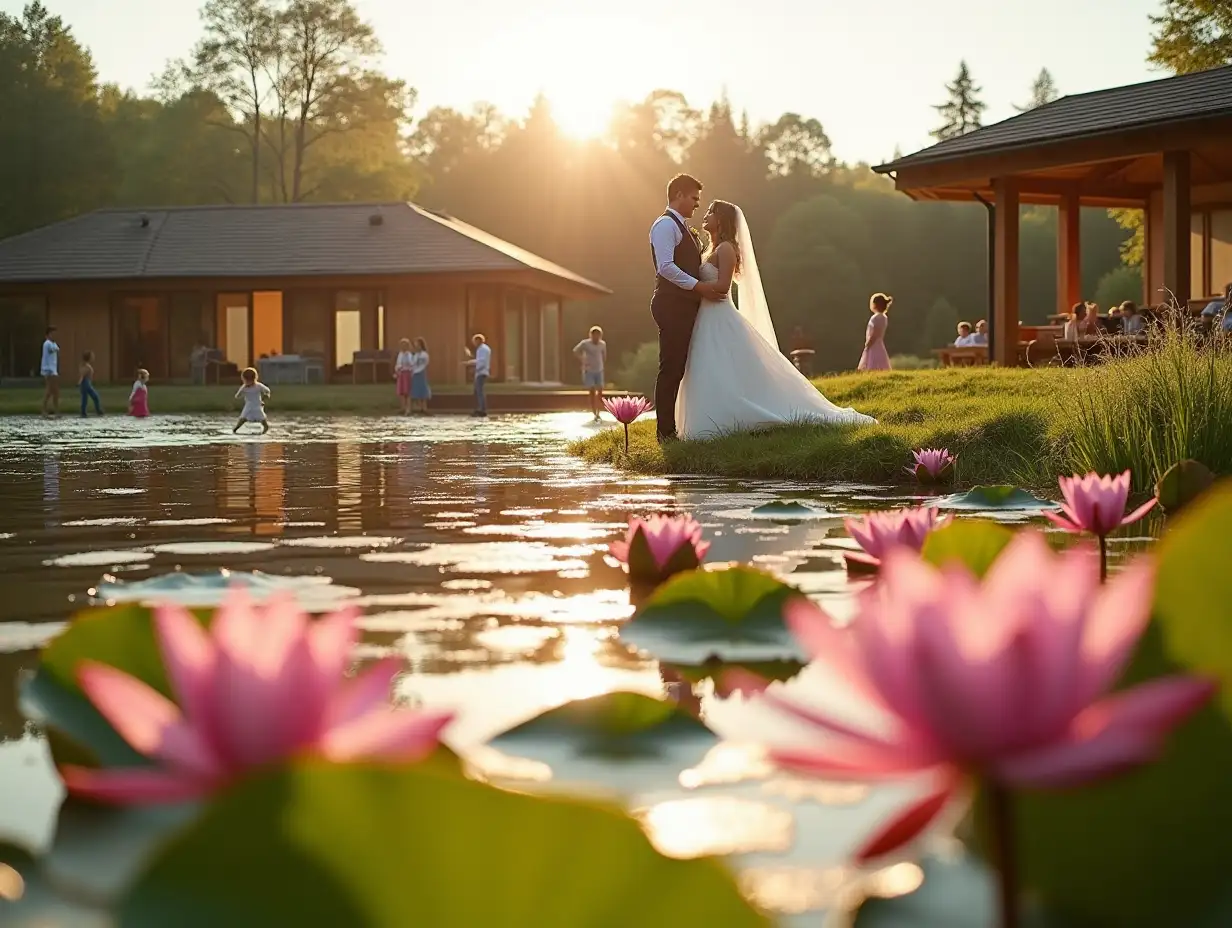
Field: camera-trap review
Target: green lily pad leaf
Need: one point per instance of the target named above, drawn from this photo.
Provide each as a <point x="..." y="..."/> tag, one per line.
<point x="379" y="846"/>
<point x="974" y="543"/>
<point x="1181" y="484"/>
<point x="1004" y="498"/>
<point x="782" y="509"/>
<point x="99" y="850"/>
<point x="623" y="741"/>
<point x="1145" y="849"/>
<point x="1193" y="590"/>
<point x="713" y="669"/>
<point x="28" y="901"/>
<point x="958" y="892"/>
<point x="76" y="732"/>
<point x="119" y="636"/>
<point x="734" y="614"/>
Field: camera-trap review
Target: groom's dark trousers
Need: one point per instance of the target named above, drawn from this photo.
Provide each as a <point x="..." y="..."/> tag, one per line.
<point x="675" y="311"/>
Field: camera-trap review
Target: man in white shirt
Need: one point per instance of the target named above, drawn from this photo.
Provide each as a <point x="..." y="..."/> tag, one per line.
<point x="980" y="338"/>
<point x="482" y="363"/>
<point x="964" y="335"/>
<point x="676" y="251"/>
<point x="49" y="367"/>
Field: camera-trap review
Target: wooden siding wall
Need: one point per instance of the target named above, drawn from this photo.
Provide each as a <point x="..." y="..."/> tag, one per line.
<point x="1212" y="196"/>
<point x="437" y="312"/>
<point x="83" y="323"/>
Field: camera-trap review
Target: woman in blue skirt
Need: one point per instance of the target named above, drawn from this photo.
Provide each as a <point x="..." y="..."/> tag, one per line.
<point x="420" y="391"/>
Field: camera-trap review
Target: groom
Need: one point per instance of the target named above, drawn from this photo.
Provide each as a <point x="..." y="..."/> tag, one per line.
<point x="677" y="253"/>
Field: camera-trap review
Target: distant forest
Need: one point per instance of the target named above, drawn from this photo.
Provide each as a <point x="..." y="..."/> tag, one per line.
<point x="284" y="101"/>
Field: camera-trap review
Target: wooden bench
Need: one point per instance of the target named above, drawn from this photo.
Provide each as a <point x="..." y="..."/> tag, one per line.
<point x="973" y="356"/>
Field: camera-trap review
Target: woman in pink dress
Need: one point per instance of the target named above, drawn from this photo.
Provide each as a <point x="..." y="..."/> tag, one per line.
<point x="875" y="357"/>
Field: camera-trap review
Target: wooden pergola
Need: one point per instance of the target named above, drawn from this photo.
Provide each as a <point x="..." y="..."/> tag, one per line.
<point x="1164" y="147"/>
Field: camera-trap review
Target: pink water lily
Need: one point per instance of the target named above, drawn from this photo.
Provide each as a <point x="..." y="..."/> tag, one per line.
<point x="263" y="684"/>
<point x="879" y="532"/>
<point x="660" y="546"/>
<point x="932" y="465"/>
<point x="1002" y="680"/>
<point x="1096" y="504"/>
<point x="625" y="410"/>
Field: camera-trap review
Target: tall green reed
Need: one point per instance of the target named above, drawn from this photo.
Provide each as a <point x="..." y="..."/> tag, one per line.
<point x="1151" y="408"/>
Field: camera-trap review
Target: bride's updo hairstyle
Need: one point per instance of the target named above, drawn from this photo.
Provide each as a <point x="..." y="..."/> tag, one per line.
<point x="726" y="214"/>
<point x="880" y="301"/>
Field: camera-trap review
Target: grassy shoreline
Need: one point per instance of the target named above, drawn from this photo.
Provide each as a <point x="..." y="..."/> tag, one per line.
<point x="1007" y="426"/>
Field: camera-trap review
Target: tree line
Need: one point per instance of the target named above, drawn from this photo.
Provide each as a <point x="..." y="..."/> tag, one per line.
<point x="285" y="101"/>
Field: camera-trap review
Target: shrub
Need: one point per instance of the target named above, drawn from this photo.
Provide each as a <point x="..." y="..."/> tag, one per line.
<point x="638" y="368"/>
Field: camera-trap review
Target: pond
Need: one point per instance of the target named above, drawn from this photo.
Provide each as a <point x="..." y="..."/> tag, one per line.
<point x="477" y="550"/>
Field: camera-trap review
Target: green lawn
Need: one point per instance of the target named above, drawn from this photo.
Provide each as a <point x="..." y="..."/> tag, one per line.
<point x="1005" y="426"/>
<point x="370" y="399"/>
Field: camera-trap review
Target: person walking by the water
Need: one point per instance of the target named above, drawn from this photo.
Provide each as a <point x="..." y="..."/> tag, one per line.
<point x="402" y="375"/>
<point x="139" y="398"/>
<point x="592" y="352"/>
<point x="49" y="368"/>
<point x="85" y="383"/>
<point x="482" y="363"/>
<point x="254" y="393"/>
<point x="420" y="391"/>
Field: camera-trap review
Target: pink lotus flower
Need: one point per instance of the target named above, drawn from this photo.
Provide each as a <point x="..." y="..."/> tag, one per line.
<point x="932" y="465"/>
<point x="264" y="683"/>
<point x="878" y="532"/>
<point x="1001" y="680"/>
<point x="1096" y="504"/>
<point x="660" y="546"/>
<point x="626" y="409"/>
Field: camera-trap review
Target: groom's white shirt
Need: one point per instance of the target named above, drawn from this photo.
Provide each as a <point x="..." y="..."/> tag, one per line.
<point x="665" y="235"/>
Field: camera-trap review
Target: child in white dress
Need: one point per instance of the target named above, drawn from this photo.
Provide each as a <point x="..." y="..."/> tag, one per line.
<point x="254" y="393"/>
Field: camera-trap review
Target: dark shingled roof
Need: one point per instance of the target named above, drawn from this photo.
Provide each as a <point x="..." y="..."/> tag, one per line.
<point x="1165" y="102"/>
<point x="305" y="239"/>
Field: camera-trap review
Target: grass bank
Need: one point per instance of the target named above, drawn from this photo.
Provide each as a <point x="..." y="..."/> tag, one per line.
<point x="1007" y="426"/>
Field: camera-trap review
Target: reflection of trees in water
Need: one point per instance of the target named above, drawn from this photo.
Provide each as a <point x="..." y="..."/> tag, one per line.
<point x="12" y="723"/>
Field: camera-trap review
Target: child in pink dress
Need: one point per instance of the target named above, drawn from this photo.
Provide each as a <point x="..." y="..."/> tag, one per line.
<point x="875" y="356"/>
<point x="139" y="399"/>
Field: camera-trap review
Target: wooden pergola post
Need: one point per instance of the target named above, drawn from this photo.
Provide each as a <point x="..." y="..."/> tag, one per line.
<point x="1069" y="251"/>
<point x="1005" y="304"/>
<point x="1177" y="226"/>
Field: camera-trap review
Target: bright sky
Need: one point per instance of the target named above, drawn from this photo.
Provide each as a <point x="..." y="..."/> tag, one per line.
<point x="870" y="71"/>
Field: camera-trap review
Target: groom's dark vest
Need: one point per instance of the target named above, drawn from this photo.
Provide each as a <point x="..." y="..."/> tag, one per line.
<point x="687" y="257"/>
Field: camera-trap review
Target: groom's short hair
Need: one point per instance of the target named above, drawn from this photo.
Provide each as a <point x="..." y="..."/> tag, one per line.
<point x="682" y="184"/>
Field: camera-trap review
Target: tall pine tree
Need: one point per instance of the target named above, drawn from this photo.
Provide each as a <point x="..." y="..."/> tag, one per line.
<point x="962" y="111"/>
<point x="1043" y="90"/>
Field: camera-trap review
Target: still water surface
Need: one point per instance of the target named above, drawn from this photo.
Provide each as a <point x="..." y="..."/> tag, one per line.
<point x="477" y="551"/>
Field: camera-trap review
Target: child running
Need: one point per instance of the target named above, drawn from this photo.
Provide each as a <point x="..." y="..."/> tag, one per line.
<point x="139" y="399"/>
<point x="86" y="384"/>
<point x="593" y="353"/>
<point x="254" y="393"/>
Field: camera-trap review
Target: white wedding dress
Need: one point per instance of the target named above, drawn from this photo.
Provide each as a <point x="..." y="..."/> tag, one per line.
<point x="736" y="379"/>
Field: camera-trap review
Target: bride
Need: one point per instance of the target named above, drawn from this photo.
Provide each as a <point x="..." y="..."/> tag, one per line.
<point x="736" y="378"/>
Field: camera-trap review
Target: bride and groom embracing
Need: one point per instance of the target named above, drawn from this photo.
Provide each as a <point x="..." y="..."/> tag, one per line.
<point x="720" y="368"/>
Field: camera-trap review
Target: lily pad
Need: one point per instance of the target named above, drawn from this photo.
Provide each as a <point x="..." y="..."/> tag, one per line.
<point x="622" y="740"/>
<point x="973" y="543"/>
<point x="1005" y="498"/>
<point x="1181" y="484"/>
<point x="731" y="615"/>
<point x="76" y="732"/>
<point x="958" y="892"/>
<point x="782" y="509"/>
<point x="378" y="846"/>
<point x="713" y="669"/>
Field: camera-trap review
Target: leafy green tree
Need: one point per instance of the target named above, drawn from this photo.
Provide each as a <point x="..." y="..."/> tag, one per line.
<point x="940" y="326"/>
<point x="1192" y="35"/>
<point x="1119" y="285"/>
<point x="795" y="145"/>
<point x="963" y="109"/>
<point x="1043" y="91"/>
